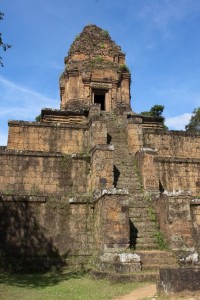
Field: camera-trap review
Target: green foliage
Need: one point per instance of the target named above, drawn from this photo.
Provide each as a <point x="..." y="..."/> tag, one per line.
<point x="98" y="59"/>
<point x="124" y="67"/>
<point x="194" y="123"/>
<point x="102" y="45"/>
<point x="3" y="45"/>
<point x="66" y="162"/>
<point x="156" y="111"/>
<point x="160" y="240"/>
<point x="38" y="118"/>
<point x="105" y="33"/>
<point x="158" y="234"/>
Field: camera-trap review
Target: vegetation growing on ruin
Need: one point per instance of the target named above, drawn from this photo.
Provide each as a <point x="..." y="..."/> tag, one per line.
<point x="156" y="111"/>
<point x="66" y="162"/>
<point x="88" y="40"/>
<point x="124" y="68"/>
<point x="158" y="234"/>
<point x="96" y="44"/>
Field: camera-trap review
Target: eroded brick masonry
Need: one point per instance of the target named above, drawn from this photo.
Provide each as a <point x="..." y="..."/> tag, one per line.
<point x="85" y="181"/>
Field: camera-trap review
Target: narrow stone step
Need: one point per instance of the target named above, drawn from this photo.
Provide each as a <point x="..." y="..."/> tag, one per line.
<point x="143" y="234"/>
<point x="155" y="259"/>
<point x="142" y="224"/>
<point x="146" y="240"/>
<point x="147" y="276"/>
<point x="146" y="246"/>
<point x="139" y="213"/>
<point x="134" y="204"/>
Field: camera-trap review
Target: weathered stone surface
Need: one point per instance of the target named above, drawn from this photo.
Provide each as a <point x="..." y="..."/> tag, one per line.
<point x="111" y="223"/>
<point x="93" y="178"/>
<point x="179" y="280"/>
<point x="95" y="65"/>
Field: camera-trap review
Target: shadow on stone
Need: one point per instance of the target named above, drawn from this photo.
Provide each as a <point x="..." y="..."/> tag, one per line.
<point x="109" y="139"/>
<point x="133" y="235"/>
<point x="116" y="176"/>
<point x="23" y="244"/>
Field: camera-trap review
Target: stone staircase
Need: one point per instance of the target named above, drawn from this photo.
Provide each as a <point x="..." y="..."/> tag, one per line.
<point x="156" y="259"/>
<point x="142" y="229"/>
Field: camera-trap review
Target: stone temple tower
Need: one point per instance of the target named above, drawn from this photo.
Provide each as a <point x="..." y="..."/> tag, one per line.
<point x="95" y="72"/>
<point x="93" y="179"/>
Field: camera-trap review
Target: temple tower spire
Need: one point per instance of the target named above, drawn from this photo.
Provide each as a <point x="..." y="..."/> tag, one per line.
<point x="95" y="72"/>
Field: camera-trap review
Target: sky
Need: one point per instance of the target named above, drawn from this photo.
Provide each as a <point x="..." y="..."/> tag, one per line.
<point x="161" y="39"/>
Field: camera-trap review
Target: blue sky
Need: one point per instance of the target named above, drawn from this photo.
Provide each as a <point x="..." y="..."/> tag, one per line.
<point x="161" y="39"/>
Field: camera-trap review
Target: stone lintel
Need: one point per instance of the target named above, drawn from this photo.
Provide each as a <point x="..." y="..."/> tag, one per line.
<point x="101" y="85"/>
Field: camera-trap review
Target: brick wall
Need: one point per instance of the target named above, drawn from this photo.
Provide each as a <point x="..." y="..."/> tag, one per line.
<point x="102" y="167"/>
<point x="175" y="221"/>
<point x="81" y="227"/>
<point x="38" y="233"/>
<point x="47" y="137"/>
<point x="173" y="143"/>
<point x="182" y="175"/>
<point x="34" y="172"/>
<point x="98" y="134"/>
<point x="111" y="223"/>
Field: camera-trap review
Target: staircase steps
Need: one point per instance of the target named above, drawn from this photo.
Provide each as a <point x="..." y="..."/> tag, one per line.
<point x="142" y="230"/>
<point x="156" y="259"/>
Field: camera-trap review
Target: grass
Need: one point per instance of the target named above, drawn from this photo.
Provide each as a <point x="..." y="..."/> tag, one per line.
<point x="72" y="285"/>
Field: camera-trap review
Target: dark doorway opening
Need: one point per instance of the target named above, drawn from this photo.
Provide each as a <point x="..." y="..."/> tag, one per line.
<point x="99" y="98"/>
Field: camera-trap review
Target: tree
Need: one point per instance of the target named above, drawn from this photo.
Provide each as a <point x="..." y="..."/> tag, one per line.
<point x="194" y="123"/>
<point x="156" y="111"/>
<point x="38" y="118"/>
<point x="3" y="45"/>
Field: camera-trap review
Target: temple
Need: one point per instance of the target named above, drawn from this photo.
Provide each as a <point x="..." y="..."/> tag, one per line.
<point x="94" y="183"/>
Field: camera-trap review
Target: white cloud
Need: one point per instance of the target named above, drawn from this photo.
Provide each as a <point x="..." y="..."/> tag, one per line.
<point x="15" y="88"/>
<point x="178" y="122"/>
<point x="17" y="101"/>
<point x="3" y="138"/>
<point x="162" y="13"/>
<point x="55" y="65"/>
